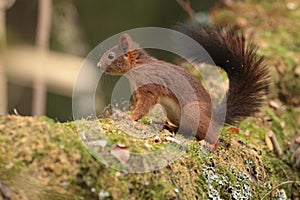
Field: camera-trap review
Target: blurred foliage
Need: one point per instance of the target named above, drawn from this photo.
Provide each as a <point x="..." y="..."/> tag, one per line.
<point x="102" y="19"/>
<point x="275" y="27"/>
<point x="99" y="19"/>
<point x="78" y="26"/>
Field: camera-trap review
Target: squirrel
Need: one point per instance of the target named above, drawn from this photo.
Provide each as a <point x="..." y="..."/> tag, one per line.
<point x="153" y="78"/>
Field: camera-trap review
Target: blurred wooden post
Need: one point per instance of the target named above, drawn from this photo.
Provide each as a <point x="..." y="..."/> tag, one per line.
<point x="42" y="42"/>
<point x="3" y="81"/>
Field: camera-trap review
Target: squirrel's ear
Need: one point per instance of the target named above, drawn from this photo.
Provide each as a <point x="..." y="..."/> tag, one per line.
<point x="125" y="42"/>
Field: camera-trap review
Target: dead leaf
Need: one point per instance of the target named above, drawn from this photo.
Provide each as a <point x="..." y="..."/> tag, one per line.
<point x="157" y="139"/>
<point x="9" y="165"/>
<point x="274" y="104"/>
<point x="282" y="124"/>
<point x="63" y="159"/>
<point x="101" y="143"/>
<point x="171" y="139"/>
<point x="233" y="130"/>
<point x="83" y="137"/>
<point x="291" y="5"/>
<point x="241" y="21"/>
<point x="148" y="146"/>
<point x="297" y="139"/>
<point x="122" y="146"/>
<point x="5" y="191"/>
<point x="118" y="174"/>
<point x="206" y="145"/>
<point x="270" y="134"/>
<point x="247" y="132"/>
<point x="121" y="153"/>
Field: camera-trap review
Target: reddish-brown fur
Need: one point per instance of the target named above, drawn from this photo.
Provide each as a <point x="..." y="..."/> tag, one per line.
<point x="155" y="81"/>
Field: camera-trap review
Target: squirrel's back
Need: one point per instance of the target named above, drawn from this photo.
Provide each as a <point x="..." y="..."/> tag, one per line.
<point x="247" y="72"/>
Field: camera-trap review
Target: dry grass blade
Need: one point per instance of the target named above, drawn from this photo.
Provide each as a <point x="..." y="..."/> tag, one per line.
<point x="281" y="184"/>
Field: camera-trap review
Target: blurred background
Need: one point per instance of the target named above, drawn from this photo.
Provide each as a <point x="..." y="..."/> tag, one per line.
<point x="44" y="42"/>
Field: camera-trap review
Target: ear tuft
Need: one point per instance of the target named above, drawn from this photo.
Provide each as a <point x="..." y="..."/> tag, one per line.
<point x="125" y="42"/>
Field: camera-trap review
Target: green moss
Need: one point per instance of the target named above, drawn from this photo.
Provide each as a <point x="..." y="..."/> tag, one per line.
<point x="256" y="132"/>
<point x="73" y="172"/>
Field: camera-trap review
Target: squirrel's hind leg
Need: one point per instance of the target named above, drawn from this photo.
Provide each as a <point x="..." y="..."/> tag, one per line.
<point x="143" y="101"/>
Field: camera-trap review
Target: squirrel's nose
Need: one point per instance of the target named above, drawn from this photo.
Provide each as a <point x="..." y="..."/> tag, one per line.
<point x="99" y="64"/>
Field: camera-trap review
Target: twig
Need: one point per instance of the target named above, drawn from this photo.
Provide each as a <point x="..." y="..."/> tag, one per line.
<point x="186" y="5"/>
<point x="275" y="143"/>
<point x="283" y="170"/>
<point x="277" y="69"/>
<point x="283" y="183"/>
<point x="44" y="24"/>
<point x="16" y="112"/>
<point x="188" y="8"/>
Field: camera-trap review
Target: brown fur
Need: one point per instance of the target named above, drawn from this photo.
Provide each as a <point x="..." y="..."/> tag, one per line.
<point x="156" y="81"/>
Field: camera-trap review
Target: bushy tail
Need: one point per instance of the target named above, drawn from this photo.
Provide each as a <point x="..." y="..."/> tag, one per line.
<point x="247" y="73"/>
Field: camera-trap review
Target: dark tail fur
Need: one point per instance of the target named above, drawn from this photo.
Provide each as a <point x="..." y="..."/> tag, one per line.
<point x="247" y="73"/>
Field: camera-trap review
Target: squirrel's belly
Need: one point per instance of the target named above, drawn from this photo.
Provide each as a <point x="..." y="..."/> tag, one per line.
<point x="172" y="108"/>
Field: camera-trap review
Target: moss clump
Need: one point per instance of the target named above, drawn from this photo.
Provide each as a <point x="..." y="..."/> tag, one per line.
<point x="44" y="159"/>
<point x="278" y="36"/>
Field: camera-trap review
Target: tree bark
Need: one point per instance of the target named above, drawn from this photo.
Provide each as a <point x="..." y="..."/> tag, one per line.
<point x="42" y="42"/>
<point x="3" y="81"/>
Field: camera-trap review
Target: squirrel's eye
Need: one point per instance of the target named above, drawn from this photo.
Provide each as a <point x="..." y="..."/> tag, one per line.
<point x="111" y="56"/>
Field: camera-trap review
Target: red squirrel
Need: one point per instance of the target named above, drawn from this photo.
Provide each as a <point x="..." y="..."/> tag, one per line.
<point x="247" y="73"/>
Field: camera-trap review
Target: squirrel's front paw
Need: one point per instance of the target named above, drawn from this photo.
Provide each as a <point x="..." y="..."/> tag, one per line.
<point x="118" y="114"/>
<point x="208" y="146"/>
<point x="135" y="117"/>
<point x="137" y="114"/>
<point x="170" y="127"/>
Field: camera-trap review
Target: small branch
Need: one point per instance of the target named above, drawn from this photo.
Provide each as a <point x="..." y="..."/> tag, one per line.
<point x="275" y="143"/>
<point x="186" y="5"/>
<point x="283" y="183"/>
<point x="188" y="8"/>
<point x="283" y="170"/>
<point x="44" y="24"/>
